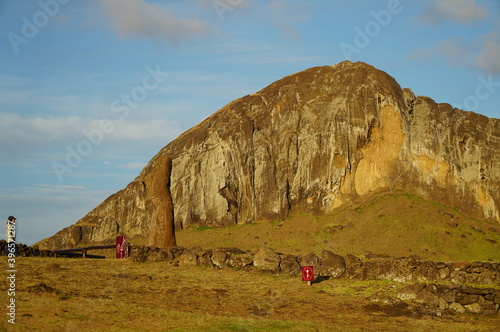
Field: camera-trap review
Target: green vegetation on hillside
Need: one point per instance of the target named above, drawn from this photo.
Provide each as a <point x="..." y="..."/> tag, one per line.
<point x="395" y="225"/>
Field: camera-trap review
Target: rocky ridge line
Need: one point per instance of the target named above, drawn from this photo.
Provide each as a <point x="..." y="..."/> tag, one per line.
<point x="309" y="143"/>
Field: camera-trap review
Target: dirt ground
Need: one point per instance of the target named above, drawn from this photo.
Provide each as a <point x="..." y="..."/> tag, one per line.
<point x="60" y="294"/>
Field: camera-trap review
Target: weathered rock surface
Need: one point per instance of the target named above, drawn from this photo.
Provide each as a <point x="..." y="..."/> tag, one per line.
<point x="309" y="143"/>
<point x="332" y="265"/>
<point x="267" y="259"/>
<point x="162" y="229"/>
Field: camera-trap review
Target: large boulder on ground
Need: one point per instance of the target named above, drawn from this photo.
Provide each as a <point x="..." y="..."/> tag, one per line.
<point x="219" y="258"/>
<point x="332" y="265"/>
<point x="188" y="258"/>
<point x="289" y="264"/>
<point x="267" y="259"/>
<point x="310" y="260"/>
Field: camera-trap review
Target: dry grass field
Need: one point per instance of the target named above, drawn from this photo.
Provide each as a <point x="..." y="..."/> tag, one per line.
<point x="61" y="294"/>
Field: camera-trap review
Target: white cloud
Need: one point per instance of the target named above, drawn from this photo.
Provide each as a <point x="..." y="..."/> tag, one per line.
<point x="464" y="11"/>
<point x="230" y="3"/>
<point x="285" y="16"/>
<point x="14" y="128"/>
<point x="265" y="59"/>
<point x="138" y="18"/>
<point x="53" y="128"/>
<point x="460" y="11"/>
<point x="28" y="135"/>
<point x="454" y="50"/>
<point x="7" y="81"/>
<point x="47" y="189"/>
<point x="485" y="57"/>
<point x="489" y="57"/>
<point x="135" y="165"/>
<point x="143" y="131"/>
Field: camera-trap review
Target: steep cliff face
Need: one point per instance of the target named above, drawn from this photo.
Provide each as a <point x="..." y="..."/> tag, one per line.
<point x="310" y="142"/>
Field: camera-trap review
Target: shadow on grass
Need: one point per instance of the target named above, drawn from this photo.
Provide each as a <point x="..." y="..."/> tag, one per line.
<point x="320" y="279"/>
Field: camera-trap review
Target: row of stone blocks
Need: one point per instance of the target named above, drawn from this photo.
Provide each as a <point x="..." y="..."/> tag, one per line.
<point x="402" y="269"/>
<point x="450" y="294"/>
<point x="453" y="299"/>
<point x="25" y="251"/>
<point x="435" y="284"/>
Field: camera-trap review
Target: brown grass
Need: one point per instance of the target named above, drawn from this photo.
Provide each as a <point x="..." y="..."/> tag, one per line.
<point x="58" y="294"/>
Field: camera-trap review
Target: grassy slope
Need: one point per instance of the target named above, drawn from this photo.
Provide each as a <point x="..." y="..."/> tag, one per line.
<point x="120" y="295"/>
<point x="396" y="225"/>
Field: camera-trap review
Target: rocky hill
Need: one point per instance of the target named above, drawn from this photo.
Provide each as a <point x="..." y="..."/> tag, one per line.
<point x="308" y="143"/>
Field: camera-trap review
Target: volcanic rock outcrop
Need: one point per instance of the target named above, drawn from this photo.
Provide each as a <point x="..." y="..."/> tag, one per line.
<point x="309" y="143"/>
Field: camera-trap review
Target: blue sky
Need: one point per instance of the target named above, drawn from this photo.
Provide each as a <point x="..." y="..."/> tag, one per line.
<point x="90" y="91"/>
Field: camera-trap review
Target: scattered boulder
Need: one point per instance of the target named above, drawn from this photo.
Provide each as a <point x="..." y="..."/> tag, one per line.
<point x="426" y="271"/>
<point x="456" y="308"/>
<point x="157" y="256"/>
<point x="140" y="258"/>
<point x="449" y="297"/>
<point x="235" y="261"/>
<point x="443" y="305"/>
<point x="188" y="258"/>
<point x="205" y="258"/>
<point x="310" y="260"/>
<point x="396" y="269"/>
<point x="410" y="291"/>
<point x="474" y="308"/>
<point x="353" y="265"/>
<point x="289" y="264"/>
<point x="427" y="298"/>
<point x="267" y="259"/>
<point x="332" y="265"/>
<point x="219" y="258"/>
